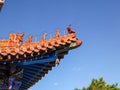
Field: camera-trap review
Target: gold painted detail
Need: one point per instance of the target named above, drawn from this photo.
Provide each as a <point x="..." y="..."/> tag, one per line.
<point x="25" y="55"/>
<point x="1" y="57"/>
<point x="17" y="56"/>
<point x="9" y="57"/>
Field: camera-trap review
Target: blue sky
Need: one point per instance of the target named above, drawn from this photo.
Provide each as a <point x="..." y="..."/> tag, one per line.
<point x="97" y="23"/>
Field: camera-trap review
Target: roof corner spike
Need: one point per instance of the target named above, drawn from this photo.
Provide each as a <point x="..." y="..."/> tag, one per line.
<point x="70" y="29"/>
<point x="1" y="4"/>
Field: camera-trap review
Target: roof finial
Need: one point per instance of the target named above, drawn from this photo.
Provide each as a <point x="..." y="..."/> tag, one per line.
<point x="70" y="30"/>
<point x="57" y="35"/>
<point x="29" y="40"/>
<point x="44" y="37"/>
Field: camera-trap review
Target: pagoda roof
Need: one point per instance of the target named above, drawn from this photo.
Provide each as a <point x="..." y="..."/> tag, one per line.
<point x="13" y="48"/>
<point x="36" y="58"/>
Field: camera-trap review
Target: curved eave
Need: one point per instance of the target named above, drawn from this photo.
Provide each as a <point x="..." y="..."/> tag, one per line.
<point x="36" y="58"/>
<point x="61" y="51"/>
<point x="36" y="49"/>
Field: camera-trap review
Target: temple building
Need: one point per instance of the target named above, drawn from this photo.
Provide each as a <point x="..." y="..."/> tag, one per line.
<point x="24" y="63"/>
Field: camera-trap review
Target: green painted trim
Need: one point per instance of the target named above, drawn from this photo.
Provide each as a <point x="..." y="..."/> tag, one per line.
<point x="73" y="44"/>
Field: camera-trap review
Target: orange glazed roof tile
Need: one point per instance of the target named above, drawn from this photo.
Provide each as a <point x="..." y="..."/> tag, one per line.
<point x="13" y="45"/>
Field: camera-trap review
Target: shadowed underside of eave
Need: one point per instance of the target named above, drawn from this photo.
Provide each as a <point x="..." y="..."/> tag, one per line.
<point x="47" y="67"/>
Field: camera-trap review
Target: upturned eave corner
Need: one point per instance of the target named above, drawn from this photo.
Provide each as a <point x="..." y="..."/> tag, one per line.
<point x="29" y="61"/>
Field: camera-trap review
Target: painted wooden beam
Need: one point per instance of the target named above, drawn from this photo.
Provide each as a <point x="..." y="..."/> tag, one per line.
<point x="50" y="59"/>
